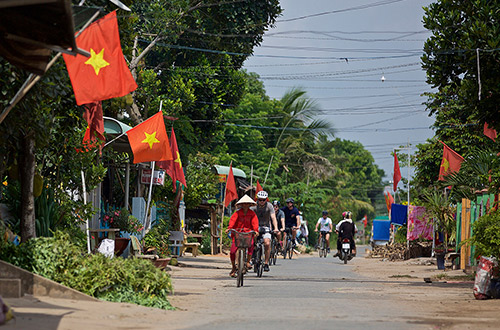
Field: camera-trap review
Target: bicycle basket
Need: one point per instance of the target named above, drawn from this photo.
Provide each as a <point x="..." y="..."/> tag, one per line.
<point x="242" y="240"/>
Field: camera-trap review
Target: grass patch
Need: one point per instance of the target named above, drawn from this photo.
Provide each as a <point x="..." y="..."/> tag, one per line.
<point x="446" y="277"/>
<point x="402" y="276"/>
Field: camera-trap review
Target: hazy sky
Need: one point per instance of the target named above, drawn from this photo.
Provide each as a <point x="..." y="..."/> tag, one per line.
<point x="338" y="51"/>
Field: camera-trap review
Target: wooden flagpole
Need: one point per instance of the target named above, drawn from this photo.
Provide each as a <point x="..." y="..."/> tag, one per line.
<point x="223" y="209"/>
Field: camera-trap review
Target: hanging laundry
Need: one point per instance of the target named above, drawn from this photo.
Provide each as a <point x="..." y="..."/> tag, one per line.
<point x="399" y="214"/>
<point x="419" y="225"/>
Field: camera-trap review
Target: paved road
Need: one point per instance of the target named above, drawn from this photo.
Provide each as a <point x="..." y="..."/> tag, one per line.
<point x="303" y="293"/>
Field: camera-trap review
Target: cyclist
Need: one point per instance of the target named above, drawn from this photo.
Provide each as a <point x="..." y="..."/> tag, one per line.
<point x="246" y="220"/>
<point x="280" y="218"/>
<point x="346" y="229"/>
<point x="326" y="226"/>
<point x="266" y="216"/>
<point x="292" y="219"/>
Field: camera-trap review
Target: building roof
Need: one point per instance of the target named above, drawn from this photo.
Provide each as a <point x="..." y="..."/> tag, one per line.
<point x="225" y="171"/>
<point x="31" y="29"/>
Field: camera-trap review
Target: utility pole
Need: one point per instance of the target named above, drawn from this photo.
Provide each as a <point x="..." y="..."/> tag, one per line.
<point x="408" y="185"/>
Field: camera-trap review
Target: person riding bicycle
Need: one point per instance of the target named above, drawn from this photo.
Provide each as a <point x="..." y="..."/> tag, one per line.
<point x="280" y="218"/>
<point x="292" y="219"/>
<point x="346" y="229"/>
<point x="245" y="220"/>
<point x="326" y="226"/>
<point x="266" y="216"/>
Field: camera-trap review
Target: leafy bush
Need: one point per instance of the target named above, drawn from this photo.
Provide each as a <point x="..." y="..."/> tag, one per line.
<point x="61" y="258"/>
<point x="486" y="235"/>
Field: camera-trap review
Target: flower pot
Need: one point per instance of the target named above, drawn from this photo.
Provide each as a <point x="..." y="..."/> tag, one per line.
<point x="440" y="260"/>
<point x="161" y="262"/>
<point x="121" y="244"/>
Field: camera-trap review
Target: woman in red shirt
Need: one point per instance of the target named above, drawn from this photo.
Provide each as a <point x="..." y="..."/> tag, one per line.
<point x="245" y="220"/>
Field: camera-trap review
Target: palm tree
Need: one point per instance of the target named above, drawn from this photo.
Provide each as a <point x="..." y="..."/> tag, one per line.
<point x="438" y="207"/>
<point x="300" y="121"/>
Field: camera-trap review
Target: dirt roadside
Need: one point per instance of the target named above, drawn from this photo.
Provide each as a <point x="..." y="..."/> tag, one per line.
<point x="447" y="304"/>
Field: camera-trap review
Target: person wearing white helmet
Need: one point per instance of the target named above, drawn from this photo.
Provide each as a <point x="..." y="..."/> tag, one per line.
<point x="265" y="214"/>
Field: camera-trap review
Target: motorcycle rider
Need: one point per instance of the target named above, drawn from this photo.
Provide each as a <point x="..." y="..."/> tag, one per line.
<point x="346" y="229"/>
<point x="266" y="215"/>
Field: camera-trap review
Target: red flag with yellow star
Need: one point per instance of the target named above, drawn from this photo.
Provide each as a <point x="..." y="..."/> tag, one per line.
<point x="174" y="167"/>
<point x="105" y="74"/>
<point x="149" y="140"/>
<point x="450" y="163"/>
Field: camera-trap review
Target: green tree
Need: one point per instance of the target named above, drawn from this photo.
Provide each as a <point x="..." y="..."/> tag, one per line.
<point x="465" y="34"/>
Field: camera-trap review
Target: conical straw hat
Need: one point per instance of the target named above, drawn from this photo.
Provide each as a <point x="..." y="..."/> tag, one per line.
<point x="246" y="200"/>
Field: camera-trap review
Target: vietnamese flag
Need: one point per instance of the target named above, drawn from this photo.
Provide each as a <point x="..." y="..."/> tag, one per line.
<point x="231" y="193"/>
<point x="149" y="140"/>
<point x="389" y="200"/>
<point x="257" y="189"/>
<point x="450" y="163"/>
<point x="105" y="74"/>
<point x="174" y="167"/>
<point x="489" y="132"/>
<point x="397" y="172"/>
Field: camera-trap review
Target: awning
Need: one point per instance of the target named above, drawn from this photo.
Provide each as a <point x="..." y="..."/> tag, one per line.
<point x="113" y="129"/>
<point x="224" y="170"/>
<point x="30" y="30"/>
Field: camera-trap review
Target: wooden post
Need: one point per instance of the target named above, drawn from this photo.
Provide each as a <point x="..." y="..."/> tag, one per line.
<point x="465" y="234"/>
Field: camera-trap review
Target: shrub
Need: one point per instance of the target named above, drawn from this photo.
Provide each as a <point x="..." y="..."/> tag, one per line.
<point x="486" y="235"/>
<point x="62" y="258"/>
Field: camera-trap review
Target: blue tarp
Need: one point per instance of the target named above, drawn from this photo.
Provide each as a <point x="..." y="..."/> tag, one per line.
<point x="381" y="230"/>
<point x="399" y="214"/>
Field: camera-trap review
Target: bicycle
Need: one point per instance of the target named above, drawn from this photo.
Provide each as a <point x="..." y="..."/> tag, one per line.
<point x="323" y="246"/>
<point x="258" y="256"/>
<point x="242" y="240"/>
<point x="288" y="248"/>
<point x="275" y="248"/>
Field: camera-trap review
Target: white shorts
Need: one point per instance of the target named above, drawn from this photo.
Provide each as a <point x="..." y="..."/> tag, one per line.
<point x="267" y="234"/>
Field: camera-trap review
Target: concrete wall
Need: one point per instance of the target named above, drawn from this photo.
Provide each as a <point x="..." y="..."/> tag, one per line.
<point x="15" y="282"/>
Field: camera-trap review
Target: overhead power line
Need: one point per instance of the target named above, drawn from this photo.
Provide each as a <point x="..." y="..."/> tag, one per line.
<point x="375" y="4"/>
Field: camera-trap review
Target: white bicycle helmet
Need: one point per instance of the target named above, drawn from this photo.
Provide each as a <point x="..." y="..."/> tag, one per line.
<point x="262" y="194"/>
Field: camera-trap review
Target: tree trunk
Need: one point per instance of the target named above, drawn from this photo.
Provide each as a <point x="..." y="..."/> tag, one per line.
<point x="26" y="177"/>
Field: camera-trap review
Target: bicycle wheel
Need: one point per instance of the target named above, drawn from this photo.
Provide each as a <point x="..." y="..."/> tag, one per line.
<point x="260" y="267"/>
<point x="256" y="260"/>
<point x="285" y="249"/>
<point x="274" y="256"/>
<point x="290" y="249"/>
<point x="320" y="247"/>
<point x="241" y="266"/>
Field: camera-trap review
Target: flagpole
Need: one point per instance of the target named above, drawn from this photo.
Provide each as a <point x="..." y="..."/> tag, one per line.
<point x="146" y="225"/>
<point x="86" y="221"/>
<point x="223" y="209"/>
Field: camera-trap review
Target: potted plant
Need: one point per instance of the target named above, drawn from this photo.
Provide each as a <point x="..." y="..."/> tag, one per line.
<point x="438" y="207"/>
<point x="124" y="221"/>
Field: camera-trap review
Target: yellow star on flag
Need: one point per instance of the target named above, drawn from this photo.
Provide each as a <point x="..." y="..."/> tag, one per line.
<point x="150" y="139"/>
<point x="446" y="165"/>
<point x="178" y="159"/>
<point x="97" y="60"/>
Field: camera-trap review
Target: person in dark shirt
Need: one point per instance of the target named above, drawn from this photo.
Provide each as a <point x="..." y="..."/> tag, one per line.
<point x="292" y="218"/>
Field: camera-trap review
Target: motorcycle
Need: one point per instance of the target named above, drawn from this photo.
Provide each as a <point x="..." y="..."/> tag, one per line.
<point x="346" y="251"/>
